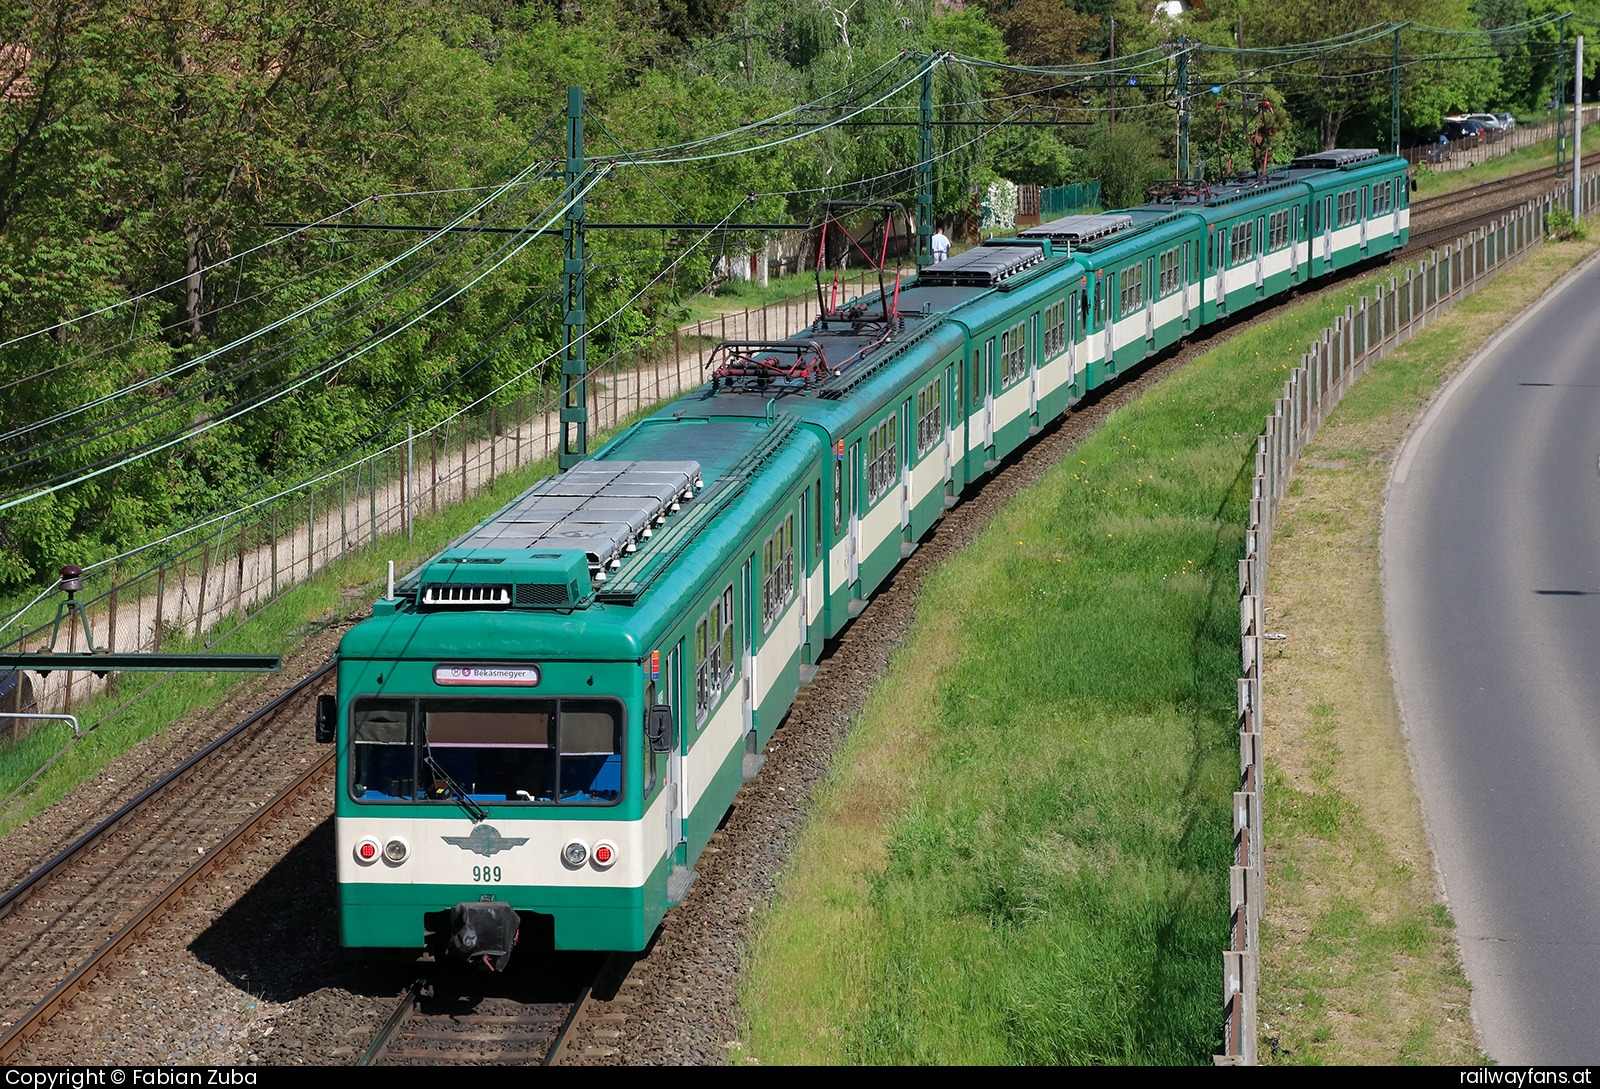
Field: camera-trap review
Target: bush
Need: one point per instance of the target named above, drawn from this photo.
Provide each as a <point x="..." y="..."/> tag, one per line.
<point x="1563" y="228"/>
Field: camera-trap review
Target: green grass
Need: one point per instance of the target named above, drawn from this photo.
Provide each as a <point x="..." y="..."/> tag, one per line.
<point x="1021" y="855"/>
<point x="275" y="628"/>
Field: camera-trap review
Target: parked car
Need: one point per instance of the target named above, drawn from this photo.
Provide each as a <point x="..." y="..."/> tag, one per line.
<point x="1508" y="121"/>
<point x="1471" y="131"/>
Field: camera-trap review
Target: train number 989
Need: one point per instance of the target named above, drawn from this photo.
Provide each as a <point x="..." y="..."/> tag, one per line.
<point x="486" y="873"/>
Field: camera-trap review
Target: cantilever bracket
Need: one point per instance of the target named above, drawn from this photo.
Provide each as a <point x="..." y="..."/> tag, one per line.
<point x="100" y="661"/>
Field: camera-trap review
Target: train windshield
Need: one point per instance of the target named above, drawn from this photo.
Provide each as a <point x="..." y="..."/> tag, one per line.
<point x="517" y="751"/>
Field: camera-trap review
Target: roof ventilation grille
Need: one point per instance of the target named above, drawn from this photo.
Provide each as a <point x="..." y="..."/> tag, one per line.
<point x="465" y="595"/>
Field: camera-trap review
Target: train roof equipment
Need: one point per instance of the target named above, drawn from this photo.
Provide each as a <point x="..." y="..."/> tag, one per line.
<point x="981" y="266"/>
<point x="1079" y="230"/>
<point x="1336" y="159"/>
<point x="524" y="557"/>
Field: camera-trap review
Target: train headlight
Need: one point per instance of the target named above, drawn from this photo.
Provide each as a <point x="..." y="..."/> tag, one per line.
<point x="575" y="853"/>
<point x="605" y="853"/>
<point x="367" y="851"/>
<point x="396" y="850"/>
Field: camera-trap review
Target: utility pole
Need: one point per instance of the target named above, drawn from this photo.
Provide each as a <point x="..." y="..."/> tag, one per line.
<point x="1577" y="132"/>
<point x="925" y="168"/>
<point x="1183" y="108"/>
<point x="1561" y="94"/>
<point x="574" y="344"/>
<point x="1113" y="73"/>
<point x="748" y="70"/>
<point x="1394" y="95"/>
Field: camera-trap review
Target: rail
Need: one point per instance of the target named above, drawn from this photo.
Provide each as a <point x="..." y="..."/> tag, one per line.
<point x="1367" y="333"/>
<point x="153" y="912"/>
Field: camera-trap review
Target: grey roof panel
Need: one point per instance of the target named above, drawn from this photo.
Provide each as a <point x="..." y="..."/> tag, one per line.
<point x="601" y="507"/>
<point x="982" y="266"/>
<point x="1081" y="228"/>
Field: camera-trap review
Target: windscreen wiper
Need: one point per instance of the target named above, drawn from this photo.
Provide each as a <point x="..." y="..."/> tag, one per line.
<point x="474" y="810"/>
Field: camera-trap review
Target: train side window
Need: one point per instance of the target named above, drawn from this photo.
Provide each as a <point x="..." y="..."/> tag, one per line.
<point x="729" y="661"/>
<point x="382" y="753"/>
<point x="707" y="678"/>
<point x="777" y="573"/>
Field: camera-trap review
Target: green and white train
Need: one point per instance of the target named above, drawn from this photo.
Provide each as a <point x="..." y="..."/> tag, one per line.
<point x="550" y="717"/>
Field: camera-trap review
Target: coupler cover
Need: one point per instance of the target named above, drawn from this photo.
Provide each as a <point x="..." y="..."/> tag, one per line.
<point x="484" y="933"/>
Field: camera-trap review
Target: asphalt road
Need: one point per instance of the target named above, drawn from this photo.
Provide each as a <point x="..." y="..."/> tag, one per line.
<point x="1491" y="553"/>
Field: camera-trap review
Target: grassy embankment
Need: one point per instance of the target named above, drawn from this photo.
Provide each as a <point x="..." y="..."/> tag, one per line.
<point x="1021" y="855"/>
<point x="276" y="627"/>
<point x="1361" y="961"/>
<point x="1430" y="184"/>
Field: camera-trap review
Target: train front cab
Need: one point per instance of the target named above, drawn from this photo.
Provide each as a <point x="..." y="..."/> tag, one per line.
<point x="574" y="808"/>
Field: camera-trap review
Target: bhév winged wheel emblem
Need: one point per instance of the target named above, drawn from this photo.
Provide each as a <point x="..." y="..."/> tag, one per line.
<point x="485" y="840"/>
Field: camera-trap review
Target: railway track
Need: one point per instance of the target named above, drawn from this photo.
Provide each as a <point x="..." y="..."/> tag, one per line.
<point x="1444" y="218"/>
<point x="73" y="916"/>
<point x="457" y="1018"/>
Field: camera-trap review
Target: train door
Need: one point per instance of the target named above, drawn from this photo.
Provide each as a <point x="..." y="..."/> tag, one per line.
<point x="1072" y="342"/>
<point x="988" y="394"/>
<point x="671" y="693"/>
<point x="1034" y="348"/>
<point x="1183" y="284"/>
<point x="1149" y="292"/>
<point x="1327" y="230"/>
<point x="803" y="580"/>
<point x="1294" y="246"/>
<point x="1365" y="208"/>
<point x="851" y="488"/>
<point x="907" y="453"/>
<point x="952" y="385"/>
<point x="747" y="591"/>
<point x="1223" y="250"/>
<point x="1397" y="187"/>
<point x="1111" y="323"/>
<point x="1259" y="244"/>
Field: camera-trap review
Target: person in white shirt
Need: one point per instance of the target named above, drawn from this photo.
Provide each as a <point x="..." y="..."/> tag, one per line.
<point x="941" y="245"/>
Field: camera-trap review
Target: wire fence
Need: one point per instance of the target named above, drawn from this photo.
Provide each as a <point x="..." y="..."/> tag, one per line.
<point x="1474" y="150"/>
<point x="1063" y="200"/>
<point x="1366" y="333"/>
<point x="211" y="587"/>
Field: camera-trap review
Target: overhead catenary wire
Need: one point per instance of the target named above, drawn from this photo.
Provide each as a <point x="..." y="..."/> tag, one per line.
<point x="14" y="499"/>
<point x="271" y="326"/>
<point x="208" y="382"/>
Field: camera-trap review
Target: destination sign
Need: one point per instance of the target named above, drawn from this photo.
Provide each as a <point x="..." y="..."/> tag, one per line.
<point x="522" y="676"/>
